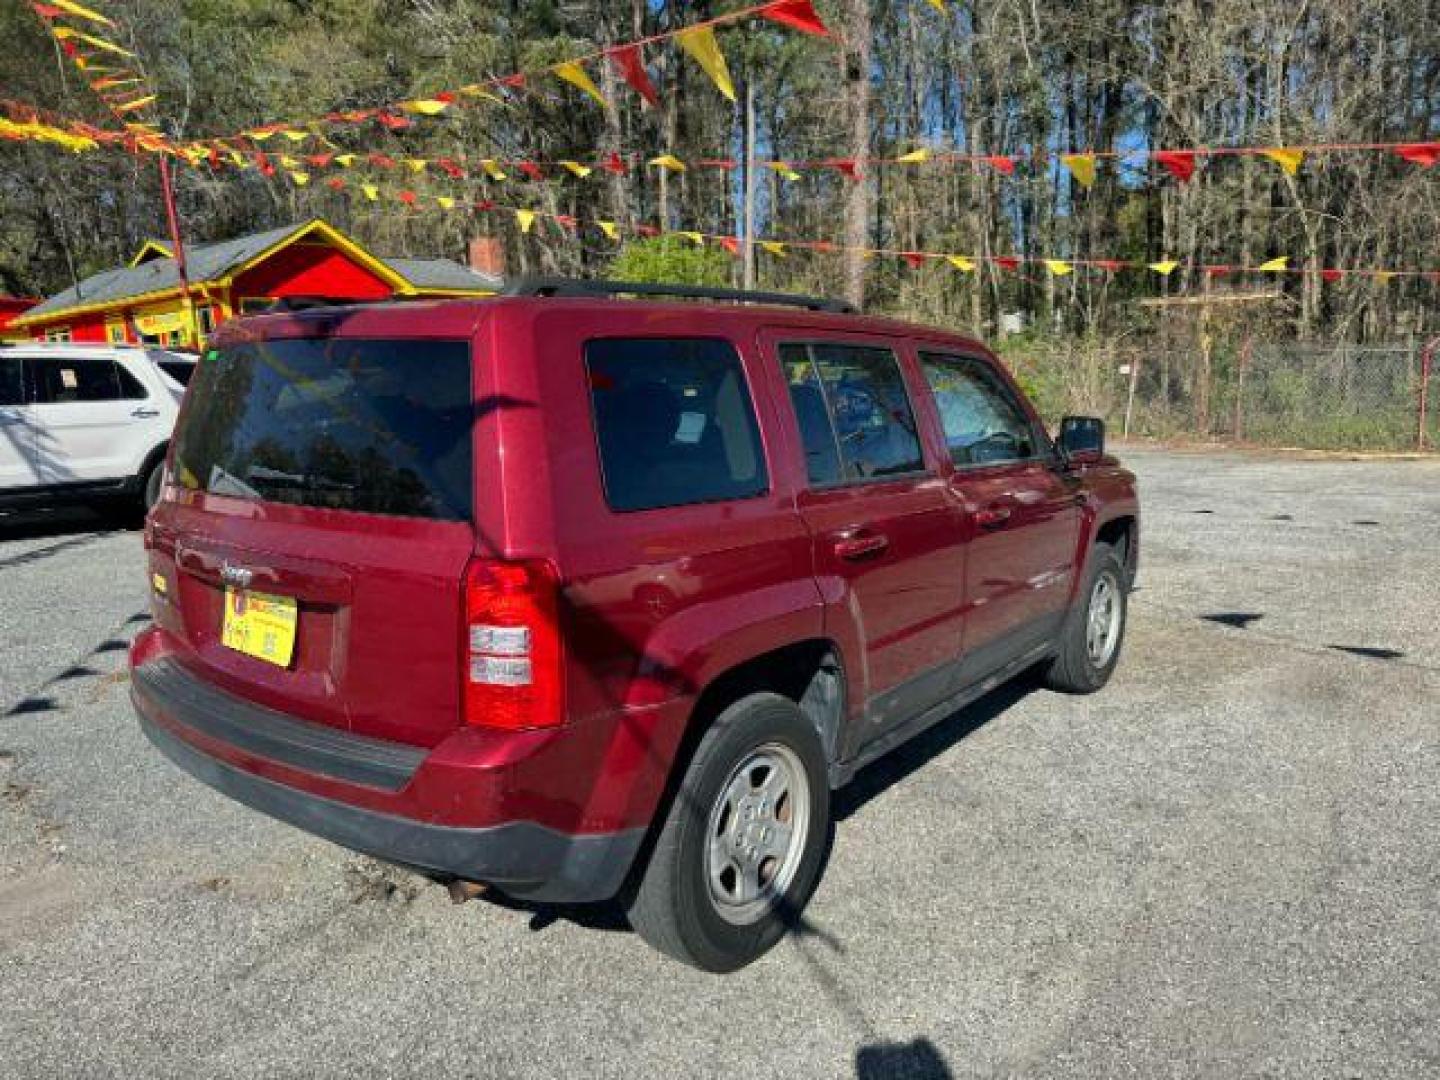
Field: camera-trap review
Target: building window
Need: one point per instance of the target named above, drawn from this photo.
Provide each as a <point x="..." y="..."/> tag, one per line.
<point x="59" y="333"/>
<point x="254" y="305"/>
<point x="205" y="315"/>
<point x="115" y="333"/>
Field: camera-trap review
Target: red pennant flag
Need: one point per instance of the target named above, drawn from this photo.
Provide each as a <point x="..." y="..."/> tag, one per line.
<point x="391" y="121"/>
<point x="1001" y="164"/>
<point x="69" y="48"/>
<point x="730" y="244"/>
<point x="45" y="11"/>
<point x="1108" y="265"/>
<point x="796" y="14"/>
<point x="1179" y="163"/>
<point x="263" y="163"/>
<point x="320" y="160"/>
<point x="1331" y="276"/>
<point x="212" y="155"/>
<point x="647" y="230"/>
<point x="1008" y="262"/>
<point x="530" y="169"/>
<point x="335" y="183"/>
<point x="407" y="197"/>
<point x="823" y="246"/>
<point x="614" y="164"/>
<point x="449" y="168"/>
<point x="846" y="167"/>
<point x="1218" y="271"/>
<point x="485" y="205"/>
<point x="1422" y="154"/>
<point x="630" y="64"/>
<point x="913" y="259"/>
<point x="514" y="82"/>
<point x="446" y="96"/>
<point x="566" y="221"/>
<point x="717" y="163"/>
<point x="383" y="160"/>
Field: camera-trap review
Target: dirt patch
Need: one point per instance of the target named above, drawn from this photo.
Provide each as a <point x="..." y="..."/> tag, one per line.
<point x="370" y="881"/>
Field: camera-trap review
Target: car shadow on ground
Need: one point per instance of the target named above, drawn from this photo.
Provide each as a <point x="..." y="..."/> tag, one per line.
<point x="68" y="521"/>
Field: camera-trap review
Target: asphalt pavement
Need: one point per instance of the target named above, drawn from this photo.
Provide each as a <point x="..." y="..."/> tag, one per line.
<point x="1225" y="864"/>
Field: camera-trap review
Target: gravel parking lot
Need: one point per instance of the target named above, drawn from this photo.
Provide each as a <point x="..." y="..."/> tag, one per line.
<point x="1228" y="863"/>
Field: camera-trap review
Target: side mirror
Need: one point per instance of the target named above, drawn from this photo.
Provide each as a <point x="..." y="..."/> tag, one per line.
<point x="1082" y="439"/>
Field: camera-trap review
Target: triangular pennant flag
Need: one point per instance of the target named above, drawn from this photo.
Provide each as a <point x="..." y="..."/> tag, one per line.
<point x="846" y="167"/>
<point x="1383" y="277"/>
<point x="783" y="170"/>
<point x="1164" y="267"/>
<point x="669" y="162"/>
<point x="796" y="14"/>
<point x="1218" y="271"/>
<point x="1007" y="262"/>
<point x="261" y="134"/>
<point x="65" y="33"/>
<point x="477" y="91"/>
<point x="938" y="5"/>
<point x="647" y="230"/>
<point x="576" y="169"/>
<point x="609" y="229"/>
<point x="1422" y="154"/>
<point x="576" y="76"/>
<point x="700" y="43"/>
<point x="614" y="163"/>
<point x="1057" y="267"/>
<point x="425" y="106"/>
<point x="913" y="259"/>
<point x="1082" y="167"/>
<point x="730" y="244"/>
<point x="72" y="8"/>
<point x="914" y="157"/>
<point x="630" y="63"/>
<point x="45" y="11"/>
<point x="319" y="160"/>
<point x="1287" y="159"/>
<point x="525" y="219"/>
<point x="566" y="222"/>
<point x="1001" y="163"/>
<point x="698" y="239"/>
<point x="445" y="202"/>
<point x="961" y="263"/>
<point x="449" y="168"/>
<point x="345" y="160"/>
<point x="492" y="170"/>
<point x="391" y="121"/>
<point x="1108" y="265"/>
<point x="718" y="163"/>
<point x="335" y="184"/>
<point x="132" y="105"/>
<point x="1178" y="163"/>
<point x="385" y="161"/>
<point x="416" y="164"/>
<point x="1331" y="276"/>
<point x="295" y="135"/>
<point x="406" y="196"/>
<point x="371" y="191"/>
<point x="1277" y="265"/>
<point x="774" y="247"/>
<point x="530" y="169"/>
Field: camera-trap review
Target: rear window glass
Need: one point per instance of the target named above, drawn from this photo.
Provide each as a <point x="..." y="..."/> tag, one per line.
<point x="674" y="421"/>
<point x="380" y="427"/>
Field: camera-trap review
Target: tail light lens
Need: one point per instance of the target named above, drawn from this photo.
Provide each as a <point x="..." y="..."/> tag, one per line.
<point x="512" y="645"/>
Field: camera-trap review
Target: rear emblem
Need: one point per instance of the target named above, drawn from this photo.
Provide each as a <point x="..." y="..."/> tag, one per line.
<point x="236" y="575"/>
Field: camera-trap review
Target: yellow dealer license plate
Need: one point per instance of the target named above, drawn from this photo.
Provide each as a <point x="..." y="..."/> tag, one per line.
<point x="259" y="625"/>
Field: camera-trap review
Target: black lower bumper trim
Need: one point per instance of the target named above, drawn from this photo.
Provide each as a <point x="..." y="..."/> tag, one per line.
<point x="522" y="857"/>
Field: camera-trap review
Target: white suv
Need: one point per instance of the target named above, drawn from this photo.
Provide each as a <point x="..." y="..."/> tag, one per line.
<point x="86" y="421"/>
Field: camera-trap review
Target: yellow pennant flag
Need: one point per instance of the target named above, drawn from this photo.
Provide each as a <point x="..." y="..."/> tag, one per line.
<point x="300" y="178"/>
<point x="416" y="164"/>
<point x="1057" y="267"/>
<point x="371" y="191"/>
<point x="425" y="106"/>
<point x="961" y="263"/>
<point x="700" y="43"/>
<point x="478" y="91"/>
<point x="261" y="134"/>
<point x="576" y="169"/>
<point x="295" y="135"/>
<point x="288" y="162"/>
<point x="915" y="157"/>
<point x="132" y="105"/>
<point x="1082" y="167"/>
<point x="344" y="160"/>
<point x="493" y="171"/>
<point x="576" y="76"/>
<point x="1382" y="277"/>
<point x="65" y="33"/>
<point x="1276" y="265"/>
<point x="1164" y="267"/>
<point x="525" y="219"/>
<point x="938" y="5"/>
<point x="669" y="162"/>
<point x="1287" y="159"/>
<point x="609" y="229"/>
<point x="80" y="12"/>
<point x="698" y="239"/>
<point x="784" y="170"/>
<point x="445" y="201"/>
<point x="774" y="247"/>
<point x="238" y="161"/>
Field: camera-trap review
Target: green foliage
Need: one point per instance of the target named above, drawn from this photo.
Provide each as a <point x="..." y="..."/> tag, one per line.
<point x="670" y="260"/>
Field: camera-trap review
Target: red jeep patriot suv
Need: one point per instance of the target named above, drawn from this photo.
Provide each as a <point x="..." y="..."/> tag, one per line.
<point x="577" y="597"/>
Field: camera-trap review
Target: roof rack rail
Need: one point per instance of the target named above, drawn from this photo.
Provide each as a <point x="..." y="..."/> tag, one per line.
<point x="554" y="286"/>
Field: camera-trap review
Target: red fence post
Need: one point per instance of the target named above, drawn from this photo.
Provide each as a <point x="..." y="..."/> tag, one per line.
<point x="1427" y="361"/>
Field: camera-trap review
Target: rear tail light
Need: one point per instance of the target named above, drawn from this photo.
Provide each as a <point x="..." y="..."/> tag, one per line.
<point x="512" y="645"/>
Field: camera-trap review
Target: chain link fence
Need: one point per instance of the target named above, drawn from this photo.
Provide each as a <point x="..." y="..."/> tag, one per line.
<point x="1329" y="397"/>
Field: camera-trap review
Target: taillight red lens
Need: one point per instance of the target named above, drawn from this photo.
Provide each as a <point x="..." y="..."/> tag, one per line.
<point x="511" y="645"/>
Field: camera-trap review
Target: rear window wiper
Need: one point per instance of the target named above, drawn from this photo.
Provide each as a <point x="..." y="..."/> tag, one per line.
<point x="304" y="481"/>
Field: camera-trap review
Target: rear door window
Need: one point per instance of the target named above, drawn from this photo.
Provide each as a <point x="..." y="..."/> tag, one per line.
<point x="854" y="416"/>
<point x="64" y="380"/>
<point x="374" y="426"/>
<point x="674" y="422"/>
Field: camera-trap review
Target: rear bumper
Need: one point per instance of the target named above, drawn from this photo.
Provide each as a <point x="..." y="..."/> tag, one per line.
<point x="524" y="858"/>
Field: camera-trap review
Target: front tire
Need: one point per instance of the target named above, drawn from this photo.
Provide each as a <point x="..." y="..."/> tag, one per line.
<point x="744" y="842"/>
<point x="1095" y="628"/>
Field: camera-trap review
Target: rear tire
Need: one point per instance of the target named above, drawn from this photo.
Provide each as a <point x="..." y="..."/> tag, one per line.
<point x="1094" y="629"/>
<point x="743" y="844"/>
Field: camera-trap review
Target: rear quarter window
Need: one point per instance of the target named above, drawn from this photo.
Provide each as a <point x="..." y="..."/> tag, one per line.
<point x="674" y="422"/>
<point x="374" y="426"/>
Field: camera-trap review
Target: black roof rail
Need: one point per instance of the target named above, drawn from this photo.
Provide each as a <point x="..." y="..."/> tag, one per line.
<point x="554" y="286"/>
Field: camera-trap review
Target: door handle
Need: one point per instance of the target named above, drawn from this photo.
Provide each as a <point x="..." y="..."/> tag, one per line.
<point x="142" y="413"/>
<point x="861" y="544"/>
<point x="992" y="517"/>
